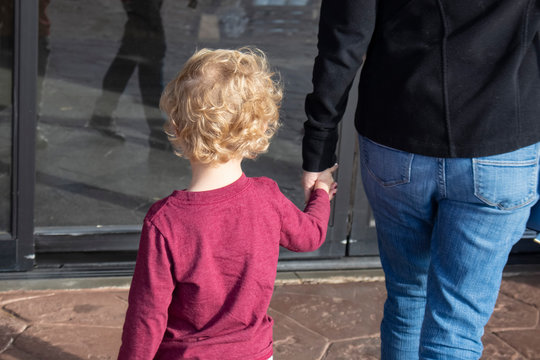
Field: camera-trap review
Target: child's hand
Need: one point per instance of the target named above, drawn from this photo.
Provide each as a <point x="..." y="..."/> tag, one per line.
<point x="326" y="182"/>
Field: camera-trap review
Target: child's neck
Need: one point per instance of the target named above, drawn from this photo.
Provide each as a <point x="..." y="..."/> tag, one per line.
<point x="206" y="177"/>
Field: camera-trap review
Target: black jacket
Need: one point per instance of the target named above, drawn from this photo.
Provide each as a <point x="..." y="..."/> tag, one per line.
<point x="444" y="78"/>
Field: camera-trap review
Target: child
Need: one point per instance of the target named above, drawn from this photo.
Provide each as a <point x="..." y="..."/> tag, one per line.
<point x="208" y="254"/>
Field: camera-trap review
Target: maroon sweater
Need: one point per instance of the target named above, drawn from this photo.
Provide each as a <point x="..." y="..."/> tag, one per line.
<point x="206" y="268"/>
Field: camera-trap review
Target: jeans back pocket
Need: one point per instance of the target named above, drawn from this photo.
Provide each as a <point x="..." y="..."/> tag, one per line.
<point x="507" y="181"/>
<point x="388" y="166"/>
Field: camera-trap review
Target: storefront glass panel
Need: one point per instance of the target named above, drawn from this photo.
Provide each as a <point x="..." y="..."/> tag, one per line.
<point x="101" y="158"/>
<point x="6" y="112"/>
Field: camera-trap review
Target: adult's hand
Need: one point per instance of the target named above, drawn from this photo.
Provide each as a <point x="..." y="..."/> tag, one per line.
<point x="326" y="181"/>
<point x="308" y="182"/>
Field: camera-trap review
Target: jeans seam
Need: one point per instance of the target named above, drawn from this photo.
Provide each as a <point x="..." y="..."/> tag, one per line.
<point x="507" y="163"/>
<point x="525" y="202"/>
<point x="442" y="177"/>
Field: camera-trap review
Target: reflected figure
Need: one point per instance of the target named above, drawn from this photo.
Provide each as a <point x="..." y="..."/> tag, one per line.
<point x="43" y="60"/>
<point x="142" y="48"/>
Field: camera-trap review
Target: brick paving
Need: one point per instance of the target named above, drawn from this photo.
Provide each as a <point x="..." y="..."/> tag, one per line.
<point x="330" y="318"/>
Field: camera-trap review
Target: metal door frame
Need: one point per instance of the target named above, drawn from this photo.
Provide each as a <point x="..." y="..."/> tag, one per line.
<point x="17" y="249"/>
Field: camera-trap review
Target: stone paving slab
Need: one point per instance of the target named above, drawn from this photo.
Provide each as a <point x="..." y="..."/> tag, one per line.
<point x="510" y="314"/>
<point x="516" y="319"/>
<point x="324" y="321"/>
<point x="76" y="308"/>
<point x="526" y="342"/>
<point x="66" y="342"/>
<point x="335" y="318"/>
<point x="293" y="340"/>
<point x="365" y="349"/>
<point x="497" y="349"/>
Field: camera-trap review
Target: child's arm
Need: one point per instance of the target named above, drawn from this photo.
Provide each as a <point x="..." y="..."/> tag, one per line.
<point x="306" y="231"/>
<point x="149" y="297"/>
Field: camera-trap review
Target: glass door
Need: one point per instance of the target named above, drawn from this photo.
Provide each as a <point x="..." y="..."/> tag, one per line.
<point x="17" y="75"/>
<point x="101" y="159"/>
<point x="87" y="87"/>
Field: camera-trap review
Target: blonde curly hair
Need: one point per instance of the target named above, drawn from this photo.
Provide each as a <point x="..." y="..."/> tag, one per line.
<point x="223" y="105"/>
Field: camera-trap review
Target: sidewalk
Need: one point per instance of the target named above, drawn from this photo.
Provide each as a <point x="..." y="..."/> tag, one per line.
<point x="318" y="315"/>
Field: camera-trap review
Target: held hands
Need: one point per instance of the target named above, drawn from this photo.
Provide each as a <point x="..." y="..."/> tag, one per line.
<point x="319" y="180"/>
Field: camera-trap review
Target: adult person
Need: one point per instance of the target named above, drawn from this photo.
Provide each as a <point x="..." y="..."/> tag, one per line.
<point x="448" y="116"/>
<point x="143" y="47"/>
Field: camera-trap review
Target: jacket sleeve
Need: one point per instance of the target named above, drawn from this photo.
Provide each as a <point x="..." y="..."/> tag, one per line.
<point x="303" y="231"/>
<point x="149" y="297"/>
<point x="345" y="30"/>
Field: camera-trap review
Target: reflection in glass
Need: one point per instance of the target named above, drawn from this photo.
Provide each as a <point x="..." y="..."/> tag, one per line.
<point x="143" y="49"/>
<point x="99" y="102"/>
<point x="44" y="26"/>
<point x="6" y="111"/>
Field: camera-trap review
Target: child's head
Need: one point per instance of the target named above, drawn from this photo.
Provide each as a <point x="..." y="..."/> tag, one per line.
<point x="222" y="105"/>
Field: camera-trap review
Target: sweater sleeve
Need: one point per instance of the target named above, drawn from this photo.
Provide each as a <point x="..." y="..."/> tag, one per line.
<point x="345" y="30"/>
<point x="149" y="297"/>
<point x="303" y="231"/>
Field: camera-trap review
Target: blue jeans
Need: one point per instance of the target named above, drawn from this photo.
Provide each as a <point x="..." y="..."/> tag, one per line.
<point x="445" y="229"/>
